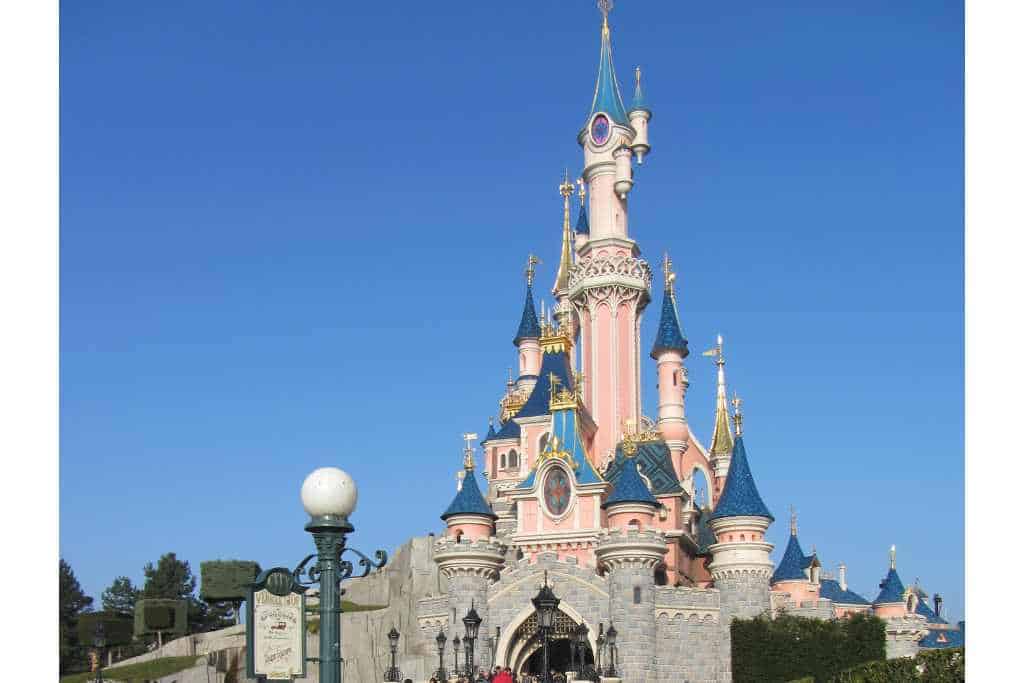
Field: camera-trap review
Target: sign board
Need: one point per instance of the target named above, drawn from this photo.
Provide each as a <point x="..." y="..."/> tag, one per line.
<point x="275" y="627"/>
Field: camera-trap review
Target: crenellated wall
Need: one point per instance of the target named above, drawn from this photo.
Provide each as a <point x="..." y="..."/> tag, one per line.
<point x="688" y="634"/>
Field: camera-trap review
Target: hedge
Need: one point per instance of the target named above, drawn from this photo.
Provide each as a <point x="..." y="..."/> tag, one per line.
<point x="790" y="648"/>
<point x="929" y="666"/>
<point x="226" y="580"/>
<point x="117" y="628"/>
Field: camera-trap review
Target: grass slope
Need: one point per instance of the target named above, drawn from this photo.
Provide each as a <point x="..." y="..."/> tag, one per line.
<point x="138" y="672"/>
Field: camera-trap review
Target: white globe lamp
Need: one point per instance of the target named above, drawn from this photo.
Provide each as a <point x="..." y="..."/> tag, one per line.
<point x="329" y="496"/>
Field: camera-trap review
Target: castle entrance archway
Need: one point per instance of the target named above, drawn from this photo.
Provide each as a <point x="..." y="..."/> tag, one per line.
<point x="521" y="645"/>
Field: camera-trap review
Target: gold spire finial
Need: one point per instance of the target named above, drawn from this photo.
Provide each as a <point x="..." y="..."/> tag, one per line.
<point x="670" y="277"/>
<point x="531" y="261"/>
<point x="792" y="520"/>
<point x="467" y="460"/>
<point x="566" y="189"/>
<point x="721" y="438"/>
<point x="892" y="557"/>
<point x="605" y="6"/>
<point x="737" y="415"/>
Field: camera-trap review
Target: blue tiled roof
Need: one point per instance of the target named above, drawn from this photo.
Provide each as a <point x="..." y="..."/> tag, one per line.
<point x="654" y="461"/>
<point x="469" y="500"/>
<point x="705" y="536"/>
<point x="583" y="223"/>
<point x="491" y="434"/>
<point x="540" y="397"/>
<point x="791" y="568"/>
<point x="670" y="335"/>
<point x="892" y="588"/>
<point x="927" y="612"/>
<point x="529" y="326"/>
<point x="831" y="590"/>
<point x="565" y="426"/>
<point x="739" y="495"/>
<point x="630" y="488"/>
<point x="607" y="97"/>
<point x="509" y="430"/>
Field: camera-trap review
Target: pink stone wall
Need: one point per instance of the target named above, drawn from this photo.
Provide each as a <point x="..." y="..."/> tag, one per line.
<point x="470" y="530"/>
<point x="891" y="610"/>
<point x="799" y="591"/>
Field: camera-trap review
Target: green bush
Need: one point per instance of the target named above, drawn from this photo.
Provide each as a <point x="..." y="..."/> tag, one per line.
<point x="117" y="628"/>
<point x="789" y="648"/>
<point x="226" y="580"/>
<point x="930" y="666"/>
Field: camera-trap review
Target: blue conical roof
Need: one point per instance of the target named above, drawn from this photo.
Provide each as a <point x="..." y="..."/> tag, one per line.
<point x="469" y="500"/>
<point x="583" y="223"/>
<point x="491" y="434"/>
<point x="639" y="99"/>
<point x="538" y="403"/>
<point x="630" y="487"/>
<point x="791" y="568"/>
<point x="892" y="588"/>
<point x="529" y="326"/>
<point x="670" y="335"/>
<point x="607" y="97"/>
<point x="739" y="495"/>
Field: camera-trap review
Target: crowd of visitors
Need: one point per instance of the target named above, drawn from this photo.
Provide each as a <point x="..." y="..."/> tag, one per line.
<point x="500" y="675"/>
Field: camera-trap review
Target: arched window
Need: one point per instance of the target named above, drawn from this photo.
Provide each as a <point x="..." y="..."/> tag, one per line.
<point x="637" y="595"/>
<point x="458" y="536"/>
<point x="675" y="379"/>
<point x="701" y="491"/>
<point x="634" y="522"/>
<point x="543" y="442"/>
<point x="503" y="464"/>
<point x="513" y="459"/>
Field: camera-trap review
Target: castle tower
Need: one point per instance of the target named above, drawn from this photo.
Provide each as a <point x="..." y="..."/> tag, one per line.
<point x="469" y="557"/>
<point x="903" y="627"/>
<point x="797" y="574"/>
<point x="527" y="339"/>
<point x="669" y="350"/>
<point x="631" y="503"/>
<point x="740" y="564"/>
<point x="610" y="285"/>
<point x="721" y="439"/>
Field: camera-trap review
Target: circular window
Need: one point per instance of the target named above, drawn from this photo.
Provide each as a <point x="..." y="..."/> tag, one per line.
<point x="600" y="129"/>
<point x="557" y="491"/>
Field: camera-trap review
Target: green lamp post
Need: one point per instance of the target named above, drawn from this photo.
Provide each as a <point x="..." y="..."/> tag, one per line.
<point x="329" y="496"/>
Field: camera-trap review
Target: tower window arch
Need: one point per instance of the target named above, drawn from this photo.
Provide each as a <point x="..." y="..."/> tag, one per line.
<point x="637" y="595"/>
<point x="701" y="491"/>
<point x="513" y="459"/>
<point x="504" y="463"/>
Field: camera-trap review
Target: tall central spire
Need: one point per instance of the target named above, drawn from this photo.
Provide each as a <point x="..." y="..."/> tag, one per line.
<point x="607" y="97"/>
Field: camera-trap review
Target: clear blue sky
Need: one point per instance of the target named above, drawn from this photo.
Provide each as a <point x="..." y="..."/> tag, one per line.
<point x="293" y="236"/>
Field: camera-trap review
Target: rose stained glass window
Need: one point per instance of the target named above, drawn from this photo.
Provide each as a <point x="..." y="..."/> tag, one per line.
<point x="557" y="491"/>
<point x="600" y="129"/>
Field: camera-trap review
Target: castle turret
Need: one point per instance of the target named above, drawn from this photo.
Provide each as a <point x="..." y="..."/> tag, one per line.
<point x="797" y="574"/>
<point x="903" y="627"/>
<point x="469" y="557"/>
<point x="639" y="117"/>
<point x="741" y="563"/>
<point x="564" y="313"/>
<point x="527" y="339"/>
<point x="669" y="350"/>
<point x="631" y="502"/>
<point x="721" y="439"/>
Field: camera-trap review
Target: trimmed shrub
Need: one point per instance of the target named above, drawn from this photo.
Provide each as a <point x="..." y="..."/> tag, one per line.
<point x="930" y="666"/>
<point x="226" y="580"/>
<point x="117" y="628"/>
<point x="789" y="648"/>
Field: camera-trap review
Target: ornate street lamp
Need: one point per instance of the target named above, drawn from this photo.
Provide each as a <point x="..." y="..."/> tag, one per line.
<point x="99" y="641"/>
<point x="393" y="674"/>
<point x="441" y="674"/>
<point x="546" y="604"/>
<point x="456" y="647"/>
<point x="612" y="634"/>
<point x="492" y="643"/>
<point x="600" y="651"/>
<point x="472" y="622"/>
<point x="329" y="496"/>
<point x="581" y="647"/>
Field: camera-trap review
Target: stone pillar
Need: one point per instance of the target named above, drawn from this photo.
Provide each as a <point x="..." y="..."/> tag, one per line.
<point x="629" y="557"/>
<point x="469" y="567"/>
<point x="902" y="635"/>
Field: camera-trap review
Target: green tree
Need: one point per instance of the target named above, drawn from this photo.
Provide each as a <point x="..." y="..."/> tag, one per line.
<point x="120" y="596"/>
<point x="172" y="578"/>
<point x="73" y="601"/>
